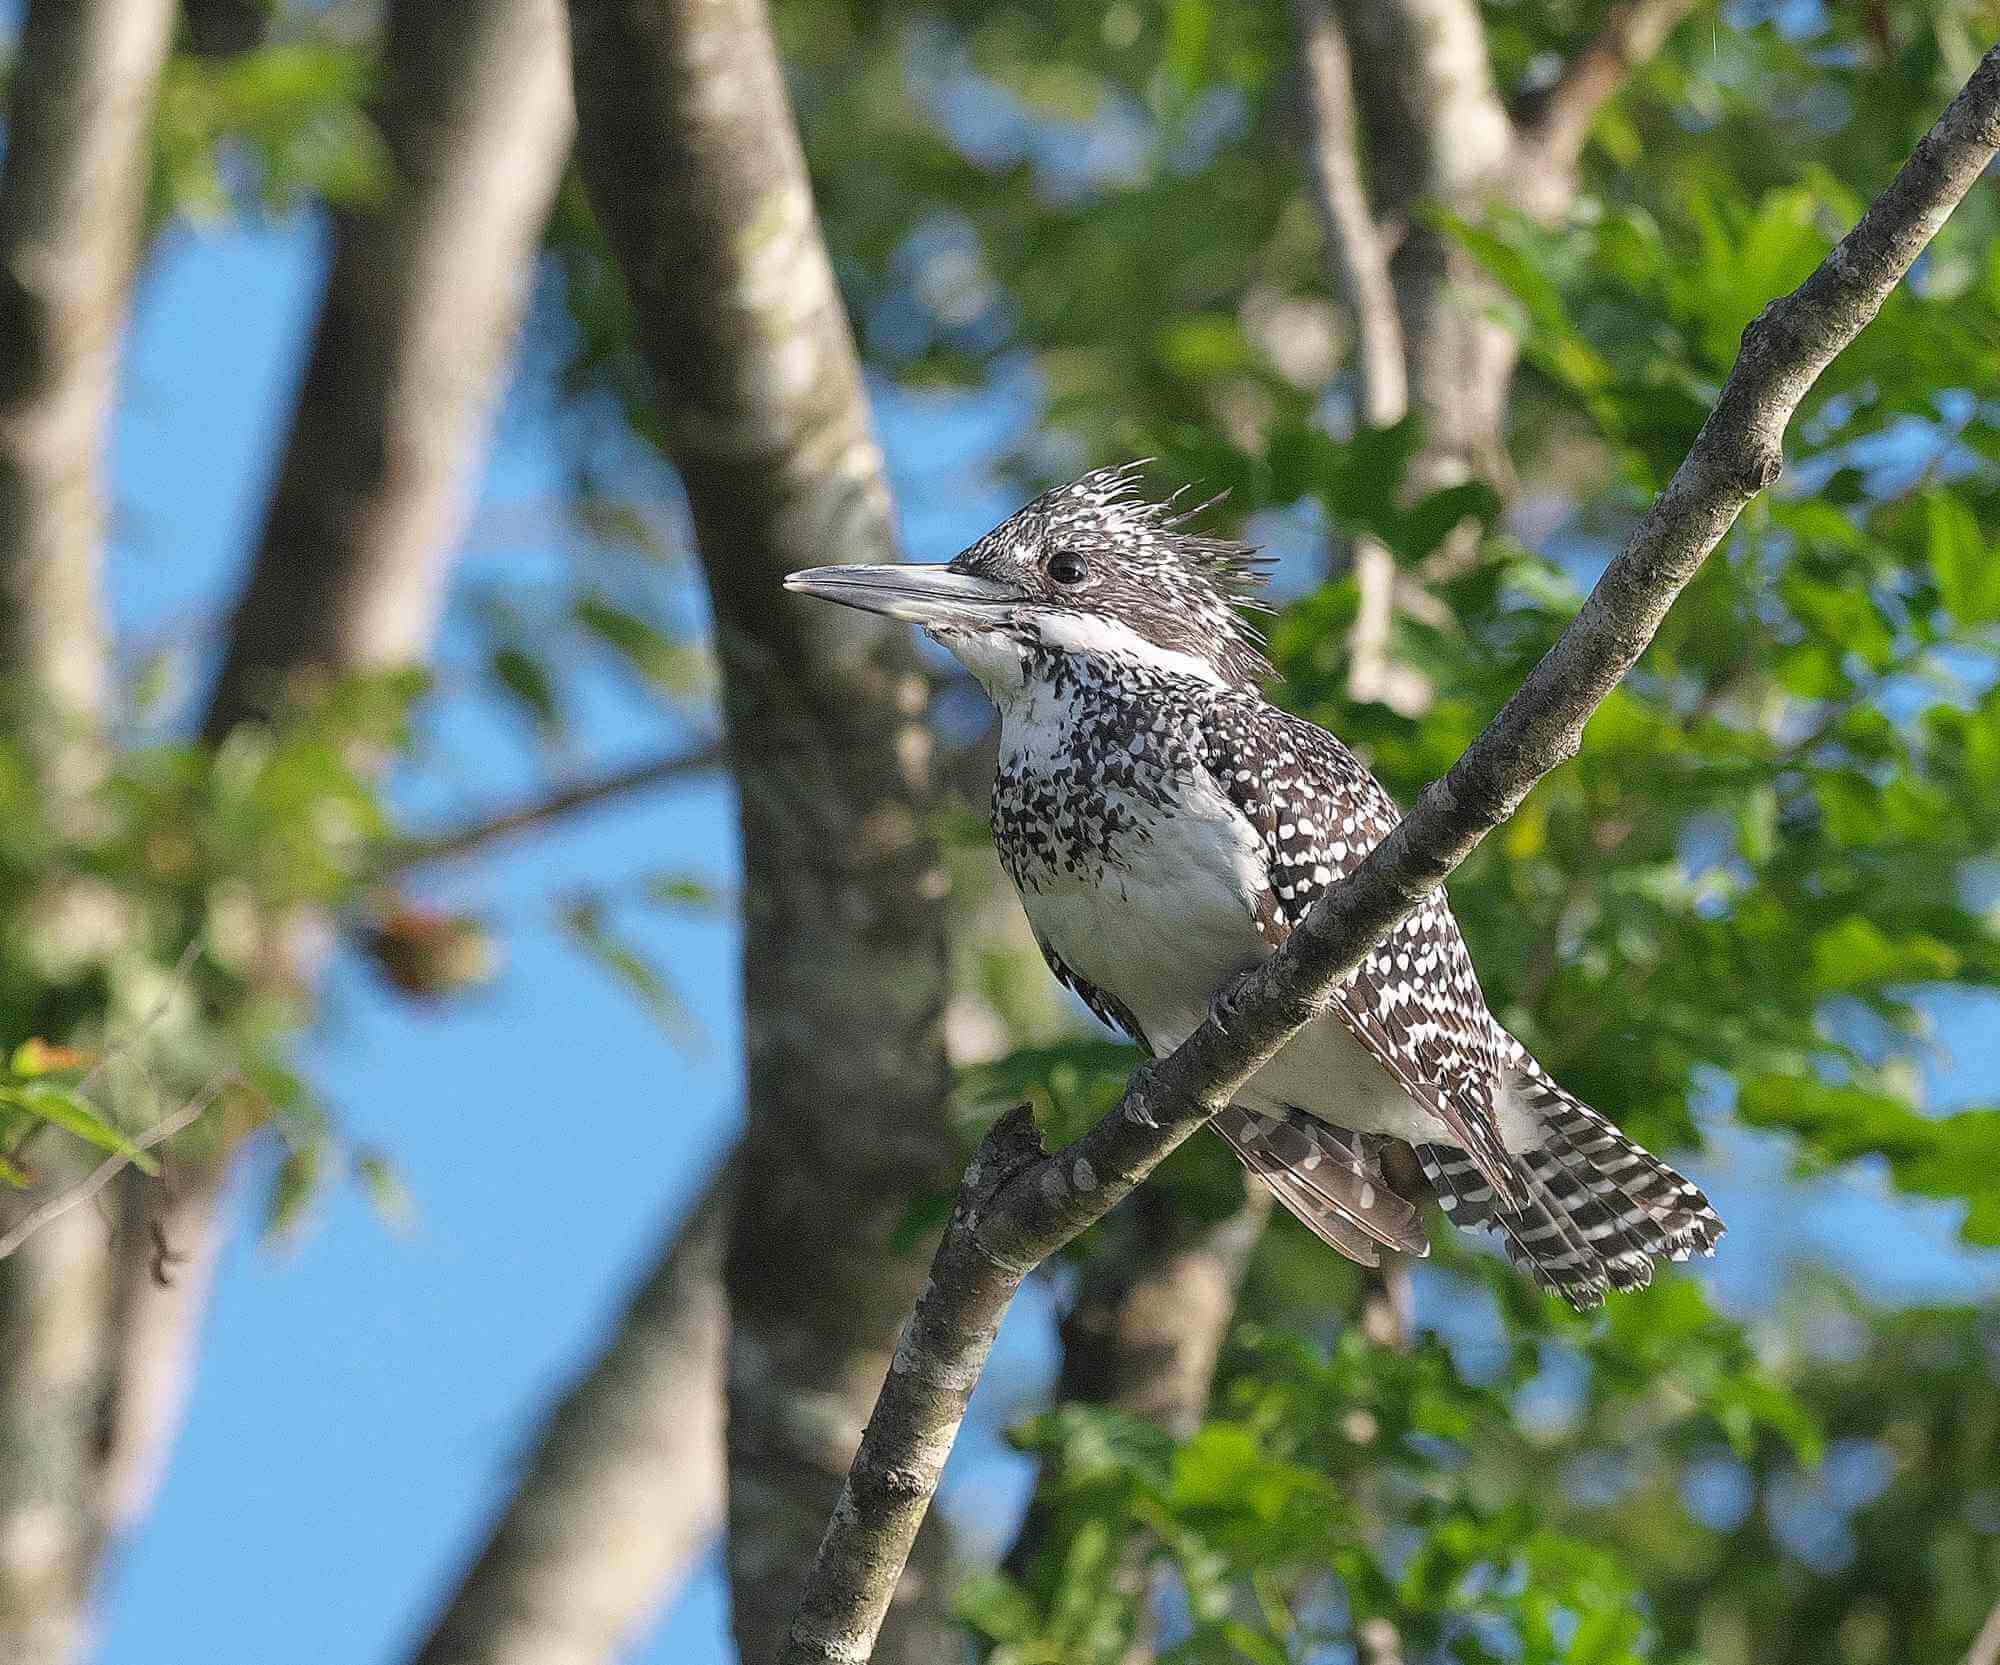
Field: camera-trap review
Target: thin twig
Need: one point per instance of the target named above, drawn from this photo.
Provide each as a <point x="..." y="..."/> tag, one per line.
<point x="617" y="783"/>
<point x="176" y="981"/>
<point x="116" y="1049"/>
<point x="110" y="1168"/>
<point x="1018" y="1205"/>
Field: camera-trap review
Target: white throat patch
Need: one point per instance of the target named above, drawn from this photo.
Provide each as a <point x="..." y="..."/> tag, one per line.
<point x="1094" y="635"/>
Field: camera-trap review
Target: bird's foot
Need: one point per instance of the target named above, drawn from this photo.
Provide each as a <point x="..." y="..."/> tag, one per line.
<point x="1227" y="1001"/>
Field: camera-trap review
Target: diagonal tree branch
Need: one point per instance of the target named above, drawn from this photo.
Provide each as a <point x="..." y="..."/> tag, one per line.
<point x="625" y="1485"/>
<point x="1018" y="1205"/>
<point x="643" y="776"/>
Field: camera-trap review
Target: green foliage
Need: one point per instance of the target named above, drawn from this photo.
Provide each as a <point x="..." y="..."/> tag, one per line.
<point x="144" y="956"/>
<point x="1769" y="850"/>
<point x="590" y="927"/>
<point x="1333" y="1491"/>
<point x="1733" y="903"/>
<point x="279" y="127"/>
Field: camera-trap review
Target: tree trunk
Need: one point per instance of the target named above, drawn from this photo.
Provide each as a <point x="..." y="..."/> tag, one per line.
<point x="693" y="163"/>
<point x="72" y="190"/>
<point x="625" y="1486"/>
<point x="1437" y="133"/>
<point x="422" y="305"/>
<point x="72" y="187"/>
<point x="423" y="299"/>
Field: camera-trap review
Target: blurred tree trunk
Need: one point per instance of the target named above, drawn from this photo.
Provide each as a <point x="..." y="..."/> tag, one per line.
<point x="693" y="164"/>
<point x="1436" y="132"/>
<point x="72" y="192"/>
<point x="423" y="299"/>
<point x="72" y="189"/>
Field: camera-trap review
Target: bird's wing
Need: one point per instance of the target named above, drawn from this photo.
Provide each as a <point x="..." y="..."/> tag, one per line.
<point x="1415" y="1001"/>
<point x="1108" y="1009"/>
<point x="1327" y="1180"/>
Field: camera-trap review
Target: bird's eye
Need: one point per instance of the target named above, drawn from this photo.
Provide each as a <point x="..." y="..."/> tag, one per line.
<point x="1067" y="568"/>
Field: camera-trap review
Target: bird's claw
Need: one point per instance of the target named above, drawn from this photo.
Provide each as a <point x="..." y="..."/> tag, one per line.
<point x="1224" y="1004"/>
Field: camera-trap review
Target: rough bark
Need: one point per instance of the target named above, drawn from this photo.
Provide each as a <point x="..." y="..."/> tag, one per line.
<point x="625" y="1485"/>
<point x="423" y="298"/>
<point x="72" y="188"/>
<point x="1018" y="1205"/>
<point x="693" y="164"/>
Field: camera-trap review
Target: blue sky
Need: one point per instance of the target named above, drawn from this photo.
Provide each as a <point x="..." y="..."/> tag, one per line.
<point x="363" y="1396"/>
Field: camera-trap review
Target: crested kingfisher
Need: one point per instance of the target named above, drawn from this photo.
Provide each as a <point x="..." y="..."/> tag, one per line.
<point x="1167" y="827"/>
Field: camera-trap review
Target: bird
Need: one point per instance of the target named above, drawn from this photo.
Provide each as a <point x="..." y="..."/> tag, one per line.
<point x="1167" y="827"/>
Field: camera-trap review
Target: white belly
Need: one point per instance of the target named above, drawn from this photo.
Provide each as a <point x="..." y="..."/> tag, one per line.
<point x="1164" y="926"/>
<point x="1166" y="923"/>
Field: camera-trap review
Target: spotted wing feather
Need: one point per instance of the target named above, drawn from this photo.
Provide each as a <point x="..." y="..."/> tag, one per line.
<point x="1415" y="1001"/>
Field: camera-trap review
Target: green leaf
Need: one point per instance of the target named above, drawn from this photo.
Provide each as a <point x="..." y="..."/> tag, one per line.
<point x="387" y="1193"/>
<point x="590" y="928"/>
<point x="927" y="1214"/>
<point x="655" y="657"/>
<point x="76" y="1115"/>
<point x="526" y="680"/>
<point x="997" y="1607"/>
<point x="1856" y="953"/>
<point x="295" y="1187"/>
<point x="686" y="890"/>
<point x="1430" y="520"/>
<point x="1967" y="572"/>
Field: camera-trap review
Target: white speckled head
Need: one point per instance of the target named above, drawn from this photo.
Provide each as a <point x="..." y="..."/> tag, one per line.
<point x="1103" y="570"/>
<point x="1091" y="570"/>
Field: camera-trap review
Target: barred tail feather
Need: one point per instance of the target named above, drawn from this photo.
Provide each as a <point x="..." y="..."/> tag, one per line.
<point x="1330" y="1185"/>
<point x="1600" y="1208"/>
<point x="1540" y="1239"/>
<point x="1660" y="1210"/>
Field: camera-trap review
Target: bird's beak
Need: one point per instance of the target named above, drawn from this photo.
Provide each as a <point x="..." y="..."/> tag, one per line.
<point x="931" y="596"/>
